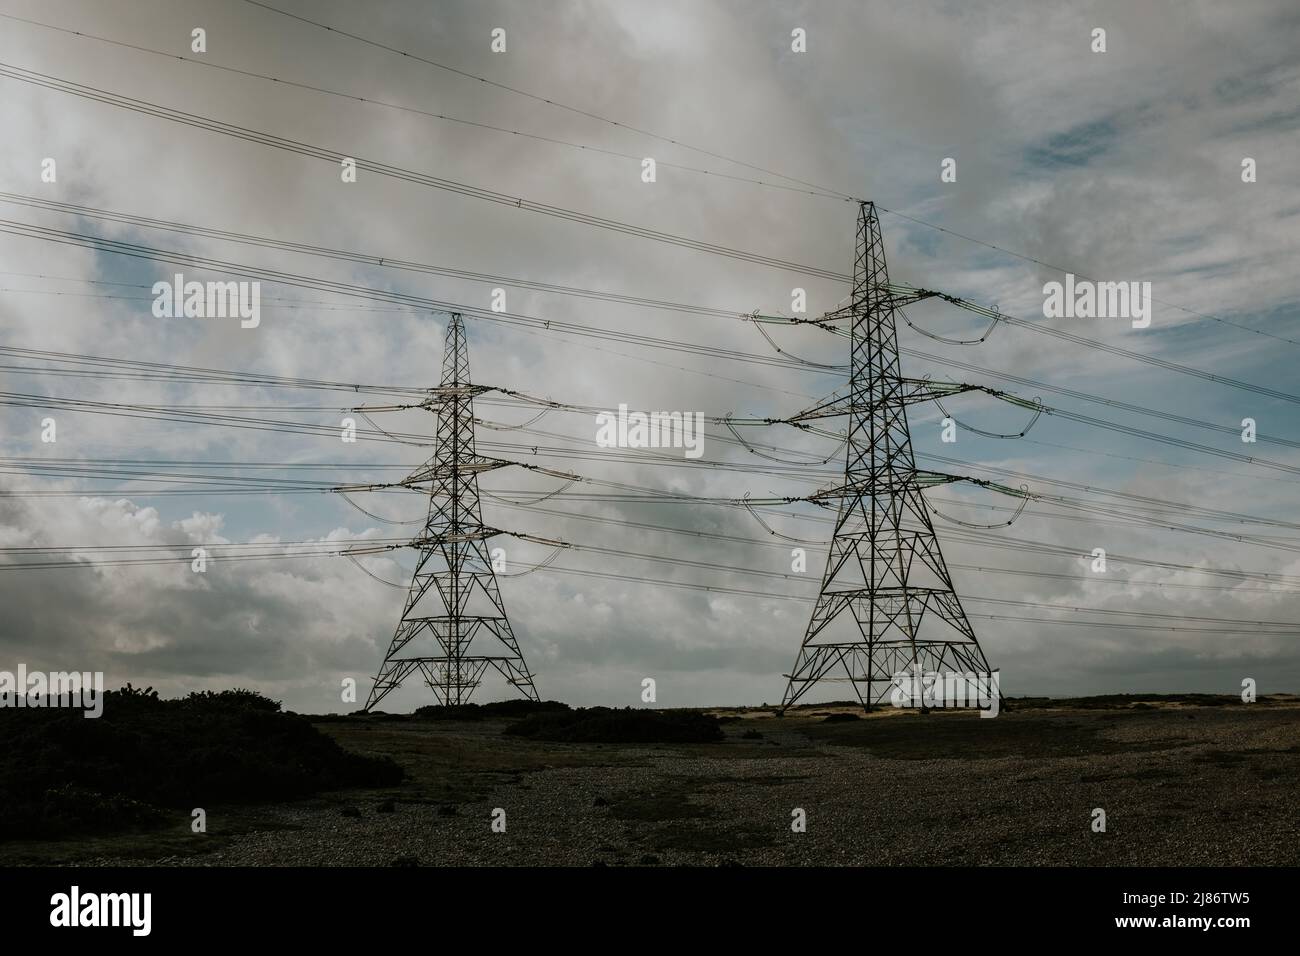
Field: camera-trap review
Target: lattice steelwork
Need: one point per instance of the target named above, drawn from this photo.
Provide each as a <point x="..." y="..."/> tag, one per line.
<point x="454" y="600"/>
<point x="887" y="604"/>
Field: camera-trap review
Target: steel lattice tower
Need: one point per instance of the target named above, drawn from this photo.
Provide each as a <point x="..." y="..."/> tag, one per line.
<point x="454" y="597"/>
<point x="887" y="604"/>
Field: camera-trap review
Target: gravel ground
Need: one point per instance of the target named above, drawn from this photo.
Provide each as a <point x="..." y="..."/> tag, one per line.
<point x="1179" y="786"/>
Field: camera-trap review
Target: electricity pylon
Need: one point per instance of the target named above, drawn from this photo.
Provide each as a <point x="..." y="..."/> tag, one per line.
<point x="887" y="605"/>
<point x="454" y="598"/>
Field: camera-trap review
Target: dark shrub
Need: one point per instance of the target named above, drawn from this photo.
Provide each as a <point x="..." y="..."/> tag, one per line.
<point x="626" y="726"/>
<point x="224" y="699"/>
<point x="63" y="773"/>
<point x="518" y="707"/>
<point x="71" y="809"/>
<point x="448" y="712"/>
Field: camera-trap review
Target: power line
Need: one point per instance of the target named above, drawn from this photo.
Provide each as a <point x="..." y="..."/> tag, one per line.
<point x="824" y="190"/>
<point x="550" y="102"/>
<point x="534" y="323"/>
<point x="387" y="262"/>
<point x="382" y="546"/>
<point x="1061" y="269"/>
<point x="584" y="147"/>
<point x="1089" y="397"/>
<point x="306" y="428"/>
<point x="980" y="539"/>
<point x="334" y="156"/>
<point x="207" y="375"/>
<point x="679" y="345"/>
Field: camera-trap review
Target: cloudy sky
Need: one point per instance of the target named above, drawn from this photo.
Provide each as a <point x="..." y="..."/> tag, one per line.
<point x="1123" y="165"/>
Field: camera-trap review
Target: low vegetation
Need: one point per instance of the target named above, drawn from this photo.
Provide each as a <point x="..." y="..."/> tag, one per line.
<point x="62" y="773"/>
<point x="509" y="709"/>
<point x="625" y="726"/>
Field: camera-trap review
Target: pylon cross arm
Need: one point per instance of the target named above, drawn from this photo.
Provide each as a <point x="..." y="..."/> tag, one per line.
<point x="895" y="297"/>
<point x="890" y="484"/>
<point x="916" y="390"/>
<point x="910" y="391"/>
<point x="480" y="533"/>
<point x="444" y="470"/>
<point x="831" y="409"/>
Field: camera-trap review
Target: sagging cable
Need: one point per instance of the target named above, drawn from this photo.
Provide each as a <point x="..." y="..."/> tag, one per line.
<point x="497" y="426"/>
<point x="545" y="563"/>
<point x="371" y="514"/>
<point x="391" y="436"/>
<point x="772" y="531"/>
<point x="794" y="358"/>
<point x="536" y="501"/>
<point x="1037" y="406"/>
<point x="997" y="317"/>
<point x="1022" y="493"/>
<point x="726" y="421"/>
<point x="369" y="573"/>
